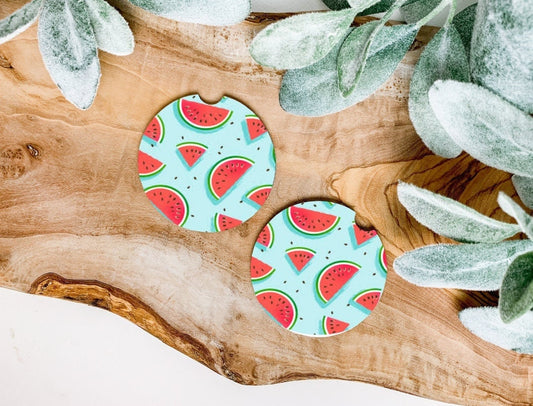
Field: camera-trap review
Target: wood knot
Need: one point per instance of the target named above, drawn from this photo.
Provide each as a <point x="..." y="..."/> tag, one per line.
<point x="33" y="150"/>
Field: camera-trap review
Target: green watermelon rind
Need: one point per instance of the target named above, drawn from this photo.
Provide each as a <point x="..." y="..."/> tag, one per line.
<point x="297" y="228"/>
<point x="198" y="127"/>
<point x="196" y="144"/>
<point x="323" y="271"/>
<point x="162" y="125"/>
<point x="365" y="292"/>
<point x="262" y="278"/>
<point x="215" y="220"/>
<point x="158" y="170"/>
<point x="213" y="169"/>
<point x="148" y="189"/>
<point x="382" y="258"/>
<point x="325" y="330"/>
<point x="290" y="300"/>
<point x="255" y="190"/>
<point x="292" y="249"/>
<point x="271" y="236"/>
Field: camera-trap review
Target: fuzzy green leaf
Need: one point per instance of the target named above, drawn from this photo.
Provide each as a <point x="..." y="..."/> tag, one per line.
<point x="524" y="188"/>
<point x="379" y="7"/>
<point x="20" y="20"/>
<point x="69" y="50"/>
<point x="524" y="220"/>
<point x="443" y="58"/>
<point x="485" y="322"/>
<point x="502" y="50"/>
<point x="415" y="10"/>
<point x="361" y="5"/>
<point x="207" y="12"/>
<point x="111" y="30"/>
<point x="463" y="266"/>
<point x="516" y="293"/>
<point x="336" y="4"/>
<point x="452" y="219"/>
<point x="484" y="125"/>
<point x="314" y="90"/>
<point x="464" y="24"/>
<point x="301" y="40"/>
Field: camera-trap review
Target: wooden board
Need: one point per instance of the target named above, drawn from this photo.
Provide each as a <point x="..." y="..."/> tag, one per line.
<point x="74" y="222"/>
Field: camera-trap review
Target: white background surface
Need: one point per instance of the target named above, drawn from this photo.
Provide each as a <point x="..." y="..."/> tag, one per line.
<point x="55" y="352"/>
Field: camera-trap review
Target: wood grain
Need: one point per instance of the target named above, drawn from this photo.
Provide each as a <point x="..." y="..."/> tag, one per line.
<point x="74" y="222"/>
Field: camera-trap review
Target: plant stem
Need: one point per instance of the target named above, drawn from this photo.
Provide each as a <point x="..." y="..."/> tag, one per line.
<point x="451" y="13"/>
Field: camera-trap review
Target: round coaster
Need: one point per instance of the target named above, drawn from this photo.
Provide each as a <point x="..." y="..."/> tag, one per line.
<point x="315" y="272"/>
<point x="206" y="167"/>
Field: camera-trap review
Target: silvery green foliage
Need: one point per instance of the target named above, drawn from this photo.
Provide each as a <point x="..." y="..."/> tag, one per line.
<point x="381" y="6"/>
<point x="301" y="40"/>
<point x="502" y="50"/>
<point x="208" y="12"/>
<point x="452" y="219"/>
<point x="524" y="220"/>
<point x="19" y="21"/>
<point x="464" y="266"/>
<point x="336" y="4"/>
<point x="486" y="323"/>
<point x="464" y="24"/>
<point x="314" y="90"/>
<point x="524" y="188"/>
<point x="111" y="30"/>
<point x="487" y="127"/>
<point x="516" y="293"/>
<point x="415" y="10"/>
<point x="69" y="49"/>
<point x="443" y="58"/>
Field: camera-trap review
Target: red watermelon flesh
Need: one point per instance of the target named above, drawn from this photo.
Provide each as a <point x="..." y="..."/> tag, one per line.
<point x="259" y="195"/>
<point x="266" y="237"/>
<point x="334" y="326"/>
<point x="300" y="257"/>
<point x="148" y="165"/>
<point x="361" y="235"/>
<point x="203" y="116"/>
<point x="256" y="128"/>
<point x="155" y="130"/>
<point x="191" y="152"/>
<point x="279" y="305"/>
<point x="259" y="270"/>
<point x="170" y="202"/>
<point x="310" y="221"/>
<point x="368" y="298"/>
<point x="223" y="222"/>
<point x="332" y="278"/>
<point x="226" y="173"/>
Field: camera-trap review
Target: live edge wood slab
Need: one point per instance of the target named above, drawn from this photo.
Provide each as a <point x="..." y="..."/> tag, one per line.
<point x="74" y="222"/>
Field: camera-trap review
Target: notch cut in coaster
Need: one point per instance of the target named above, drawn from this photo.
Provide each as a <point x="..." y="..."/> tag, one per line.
<point x="206" y="167"/>
<point x="315" y="271"/>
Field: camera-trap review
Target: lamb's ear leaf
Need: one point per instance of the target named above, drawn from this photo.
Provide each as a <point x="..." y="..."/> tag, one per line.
<point x="415" y="10"/>
<point x="336" y="4"/>
<point x="443" y="58"/>
<point x="464" y="24"/>
<point x="452" y="219"/>
<point x="513" y="209"/>
<point x="516" y="293"/>
<point x="69" y="50"/>
<point x="111" y="30"/>
<point x="207" y="12"/>
<point x="524" y="188"/>
<point x="464" y="266"/>
<point x="485" y="322"/>
<point x="20" y="20"/>
<point x="467" y="113"/>
<point x="301" y="40"/>
<point x="378" y="7"/>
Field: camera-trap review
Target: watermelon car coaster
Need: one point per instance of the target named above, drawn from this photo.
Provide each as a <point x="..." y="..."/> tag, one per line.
<point x="206" y="167"/>
<point x="315" y="271"/>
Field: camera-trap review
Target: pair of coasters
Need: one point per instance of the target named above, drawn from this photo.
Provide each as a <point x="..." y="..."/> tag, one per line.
<point x="209" y="168"/>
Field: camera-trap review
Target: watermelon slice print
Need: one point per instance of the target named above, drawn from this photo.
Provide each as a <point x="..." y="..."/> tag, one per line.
<point x="226" y="173"/>
<point x="279" y="305"/>
<point x="299" y="257"/>
<point x="311" y="222"/>
<point x="368" y="298"/>
<point x="362" y="236"/>
<point x="203" y="116"/>
<point x="223" y="222"/>
<point x="259" y="194"/>
<point x="333" y="278"/>
<point x="148" y="165"/>
<point x="170" y="202"/>
<point x="155" y="130"/>
<point x="255" y="126"/>
<point x="333" y="326"/>
<point x="266" y="237"/>
<point x="191" y="152"/>
<point x="259" y="270"/>
<point x="383" y="259"/>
